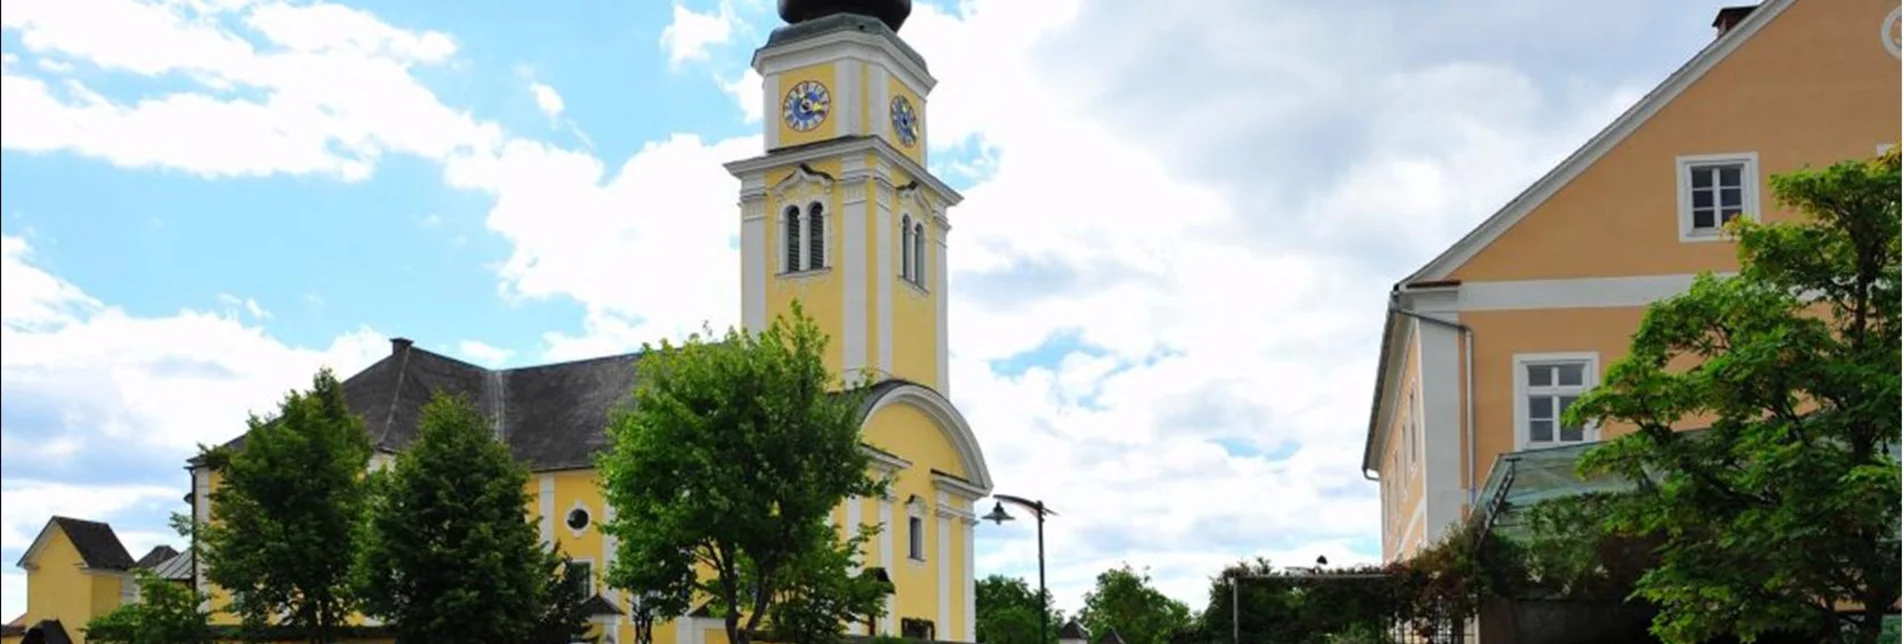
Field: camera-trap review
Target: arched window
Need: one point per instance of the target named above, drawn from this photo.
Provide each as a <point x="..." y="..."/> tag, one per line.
<point x="792" y="238"/>
<point x="905" y="247"/>
<point x="815" y="237"/>
<point x="918" y="253"/>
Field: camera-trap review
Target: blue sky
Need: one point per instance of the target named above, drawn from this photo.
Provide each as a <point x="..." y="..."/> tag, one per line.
<point x="1167" y="275"/>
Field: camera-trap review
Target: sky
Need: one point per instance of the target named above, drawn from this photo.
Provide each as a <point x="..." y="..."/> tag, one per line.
<point x="1167" y="278"/>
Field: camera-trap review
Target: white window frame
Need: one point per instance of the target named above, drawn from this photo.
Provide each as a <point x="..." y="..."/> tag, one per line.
<point x="1751" y="203"/>
<point x="1589" y="378"/>
<point x="591" y="590"/>
<point x="792" y="216"/>
<point x="802" y="215"/>
<point x="915" y="527"/>
<point x="583" y="506"/>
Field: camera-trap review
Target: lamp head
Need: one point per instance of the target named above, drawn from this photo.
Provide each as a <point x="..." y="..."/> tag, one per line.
<point x="998" y="515"/>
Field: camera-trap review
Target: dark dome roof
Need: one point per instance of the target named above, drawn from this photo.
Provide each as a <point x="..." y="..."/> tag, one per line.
<point x="891" y="12"/>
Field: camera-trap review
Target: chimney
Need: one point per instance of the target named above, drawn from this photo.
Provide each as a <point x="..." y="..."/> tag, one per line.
<point x="1729" y="17"/>
<point x="399" y="345"/>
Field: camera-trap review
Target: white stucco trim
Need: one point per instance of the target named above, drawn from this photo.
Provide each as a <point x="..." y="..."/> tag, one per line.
<point x="580" y="504"/>
<point x="941" y="299"/>
<point x="944" y="530"/>
<point x="848" y="98"/>
<point x="607" y="562"/>
<point x="770" y="112"/>
<point x="1439" y="382"/>
<point x="547" y="508"/>
<point x="1578" y="293"/>
<point x="883" y="231"/>
<point x="1752" y="206"/>
<point x="855" y="506"/>
<point x="881" y="100"/>
<point x="855" y="260"/>
<point x="1588" y="379"/>
<point x="753" y="263"/>
<point x="970" y="625"/>
<point x="955" y="494"/>
<point x="842" y="147"/>
<point x="957" y="431"/>
<point x="1602" y="143"/>
<point x="885" y="560"/>
<point x="886" y="462"/>
<point x="874" y="50"/>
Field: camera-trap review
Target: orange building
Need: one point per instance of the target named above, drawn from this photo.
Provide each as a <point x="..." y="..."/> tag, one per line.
<point x="1487" y="344"/>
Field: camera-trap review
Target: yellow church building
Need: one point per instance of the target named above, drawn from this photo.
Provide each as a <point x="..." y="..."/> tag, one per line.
<point x="838" y="213"/>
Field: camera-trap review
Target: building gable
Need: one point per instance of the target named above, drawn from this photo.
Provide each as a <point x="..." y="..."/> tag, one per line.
<point x="98" y="546"/>
<point x="1792" y="83"/>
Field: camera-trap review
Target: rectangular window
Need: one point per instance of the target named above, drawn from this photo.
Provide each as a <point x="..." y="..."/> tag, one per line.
<point x="915" y="539"/>
<point x="581" y="574"/>
<point x="1713" y="190"/>
<point x="1548" y="385"/>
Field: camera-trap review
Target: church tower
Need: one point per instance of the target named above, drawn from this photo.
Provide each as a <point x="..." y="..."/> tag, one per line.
<point x="839" y="212"/>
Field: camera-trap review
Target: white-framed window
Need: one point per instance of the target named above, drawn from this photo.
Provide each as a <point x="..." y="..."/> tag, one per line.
<point x="905" y="248"/>
<point x="1410" y="425"/>
<point x="578" y="518"/>
<point x="1714" y="189"/>
<point x="790" y="234"/>
<point x="803" y="238"/>
<point x="581" y="571"/>
<point x="915" y="529"/>
<point x="918" y="253"/>
<point x="1545" y="385"/>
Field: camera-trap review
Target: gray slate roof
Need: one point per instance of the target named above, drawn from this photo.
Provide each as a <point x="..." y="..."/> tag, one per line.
<point x="553" y="417"/>
<point x="158" y="555"/>
<point x="97" y="544"/>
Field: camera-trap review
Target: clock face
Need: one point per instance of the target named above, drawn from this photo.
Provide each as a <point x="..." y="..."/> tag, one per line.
<point x="904" y="120"/>
<point x="1893" y="33"/>
<point x="806" y="105"/>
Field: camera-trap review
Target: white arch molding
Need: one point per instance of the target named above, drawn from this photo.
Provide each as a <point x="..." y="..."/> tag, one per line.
<point x="949" y="420"/>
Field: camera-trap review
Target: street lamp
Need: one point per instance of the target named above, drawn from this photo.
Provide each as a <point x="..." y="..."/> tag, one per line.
<point x="1038" y="509"/>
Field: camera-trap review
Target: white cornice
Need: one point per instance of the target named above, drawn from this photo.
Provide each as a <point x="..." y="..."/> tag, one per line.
<point x="886" y="462"/>
<point x="956" y="487"/>
<point x="844" y="44"/>
<point x="845" y="146"/>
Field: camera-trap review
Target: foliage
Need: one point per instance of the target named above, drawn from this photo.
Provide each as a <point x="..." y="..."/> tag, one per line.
<point x="447" y="552"/>
<point x="1008" y="612"/>
<point x="732" y="458"/>
<point x="1125" y="600"/>
<point x="1569" y="554"/>
<point x="167" y="613"/>
<point x="282" y="532"/>
<point x="1788" y="503"/>
<point x="562" y="605"/>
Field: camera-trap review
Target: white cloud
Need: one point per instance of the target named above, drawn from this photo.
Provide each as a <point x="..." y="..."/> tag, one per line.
<point x="168" y="383"/>
<point x="335" y="83"/>
<point x="483" y="353"/>
<point x="748" y="91"/>
<point x="547" y="99"/>
<point x="691" y="33"/>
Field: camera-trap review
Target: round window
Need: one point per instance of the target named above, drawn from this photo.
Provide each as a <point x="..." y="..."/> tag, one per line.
<point x="577" y="519"/>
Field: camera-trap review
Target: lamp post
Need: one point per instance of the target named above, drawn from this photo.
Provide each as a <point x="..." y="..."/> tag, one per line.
<point x="1039" y="510"/>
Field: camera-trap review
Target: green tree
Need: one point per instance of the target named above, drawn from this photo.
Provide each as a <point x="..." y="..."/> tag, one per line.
<point x="1787" y="505"/>
<point x="167" y="613"/>
<point x="448" y="553"/>
<point x="1141" y="614"/>
<point x="562" y="608"/>
<point x="1008" y="612"/>
<point x="282" y="536"/>
<point x="731" y="459"/>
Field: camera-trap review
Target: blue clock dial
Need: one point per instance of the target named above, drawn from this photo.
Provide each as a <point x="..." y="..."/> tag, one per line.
<point x="904" y="120"/>
<point x="806" y="105"/>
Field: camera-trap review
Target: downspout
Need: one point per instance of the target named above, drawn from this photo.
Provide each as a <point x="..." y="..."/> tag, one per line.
<point x="1468" y="395"/>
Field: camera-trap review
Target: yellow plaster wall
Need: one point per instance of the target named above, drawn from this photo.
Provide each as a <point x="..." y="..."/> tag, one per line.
<point x="821" y="292"/>
<point x="1499" y="335"/>
<point x="905" y="430"/>
<point x="914" y="308"/>
<point x="1812" y="87"/>
<point x="1409" y="485"/>
<point x="105" y="591"/>
<point x="896" y="88"/>
<point x="58" y="588"/>
<point x="825" y="74"/>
